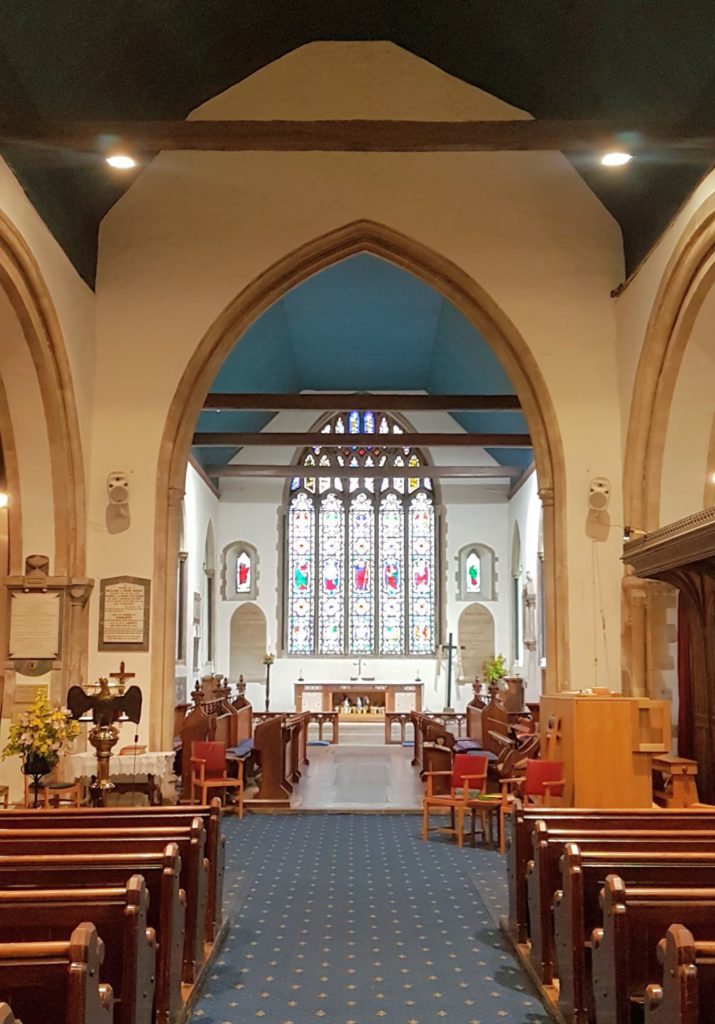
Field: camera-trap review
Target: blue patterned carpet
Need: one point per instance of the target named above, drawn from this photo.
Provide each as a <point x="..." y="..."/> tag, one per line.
<point x="353" y="919"/>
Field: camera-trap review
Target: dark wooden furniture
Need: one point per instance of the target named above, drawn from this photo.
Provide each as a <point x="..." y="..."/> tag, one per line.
<point x="57" y="981"/>
<point x="625" y="947"/>
<point x="120" y="917"/>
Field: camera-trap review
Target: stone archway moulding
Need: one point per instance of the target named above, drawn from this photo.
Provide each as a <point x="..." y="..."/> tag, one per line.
<point x="23" y="284"/>
<point x="688" y="277"/>
<point x="463" y="292"/>
<point x="21" y="280"/>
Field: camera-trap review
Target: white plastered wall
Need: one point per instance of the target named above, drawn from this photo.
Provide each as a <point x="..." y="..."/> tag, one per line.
<point x="196" y="228"/>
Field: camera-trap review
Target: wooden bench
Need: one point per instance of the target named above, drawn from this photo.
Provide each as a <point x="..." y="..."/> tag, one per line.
<point x="687" y="993"/>
<point x="189" y="840"/>
<point x="119" y="818"/>
<point x="577" y="910"/>
<point x="624" y="949"/>
<point x="120" y="917"/>
<point x="57" y="981"/>
<point x="165" y="914"/>
<point x="544" y="878"/>
<point x="573" y="821"/>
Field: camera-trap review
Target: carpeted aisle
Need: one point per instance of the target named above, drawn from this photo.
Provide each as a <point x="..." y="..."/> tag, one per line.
<point x="352" y="919"/>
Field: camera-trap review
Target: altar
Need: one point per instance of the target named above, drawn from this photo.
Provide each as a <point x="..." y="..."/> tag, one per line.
<point x="358" y="699"/>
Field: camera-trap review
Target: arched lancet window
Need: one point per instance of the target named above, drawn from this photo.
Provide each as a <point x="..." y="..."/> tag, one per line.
<point x="361" y="550"/>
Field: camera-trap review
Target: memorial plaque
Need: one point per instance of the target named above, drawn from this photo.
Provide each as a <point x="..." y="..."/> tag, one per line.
<point x="35" y="625"/>
<point x="124" y="614"/>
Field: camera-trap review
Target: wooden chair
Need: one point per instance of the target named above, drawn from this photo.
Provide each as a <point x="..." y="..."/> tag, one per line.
<point x="542" y="783"/>
<point x="54" y="791"/>
<point x="468" y="780"/>
<point x="208" y="771"/>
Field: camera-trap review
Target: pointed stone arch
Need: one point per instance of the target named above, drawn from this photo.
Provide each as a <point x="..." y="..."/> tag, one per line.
<point x="362" y="236"/>
<point x="33" y="338"/>
<point x="686" y="281"/>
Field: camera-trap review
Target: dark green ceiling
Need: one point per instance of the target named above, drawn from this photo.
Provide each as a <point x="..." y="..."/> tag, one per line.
<point x="154" y="59"/>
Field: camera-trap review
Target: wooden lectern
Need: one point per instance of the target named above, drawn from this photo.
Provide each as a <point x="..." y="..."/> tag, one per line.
<point x="606" y="743"/>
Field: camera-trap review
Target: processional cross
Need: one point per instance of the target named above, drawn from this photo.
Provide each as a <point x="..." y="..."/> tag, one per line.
<point x="450" y="648"/>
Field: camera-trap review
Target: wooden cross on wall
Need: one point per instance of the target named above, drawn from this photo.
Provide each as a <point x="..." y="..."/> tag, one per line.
<point x="121" y="676"/>
<point x="450" y="648"/>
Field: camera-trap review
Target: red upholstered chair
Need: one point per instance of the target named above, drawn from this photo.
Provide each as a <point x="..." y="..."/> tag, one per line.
<point x="468" y="780"/>
<point x="208" y="771"/>
<point x="541" y="783"/>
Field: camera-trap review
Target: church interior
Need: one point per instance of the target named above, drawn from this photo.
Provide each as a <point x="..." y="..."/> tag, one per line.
<point x="357" y="512"/>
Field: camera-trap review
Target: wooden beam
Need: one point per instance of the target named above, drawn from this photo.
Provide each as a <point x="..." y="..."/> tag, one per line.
<point x="238" y="439"/>
<point x="369" y="472"/>
<point x="364" y="136"/>
<point x="337" y="402"/>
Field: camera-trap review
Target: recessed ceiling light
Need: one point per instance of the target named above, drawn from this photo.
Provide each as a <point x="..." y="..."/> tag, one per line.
<point x="121" y="161"/>
<point x="616" y="159"/>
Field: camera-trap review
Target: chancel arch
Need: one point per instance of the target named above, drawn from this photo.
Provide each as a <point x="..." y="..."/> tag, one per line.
<point x="456" y="287"/>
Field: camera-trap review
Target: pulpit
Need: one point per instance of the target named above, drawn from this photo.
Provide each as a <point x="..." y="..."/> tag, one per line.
<point x="606" y="743"/>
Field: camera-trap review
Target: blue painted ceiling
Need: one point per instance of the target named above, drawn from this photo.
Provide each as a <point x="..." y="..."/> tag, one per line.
<point x="363" y="325"/>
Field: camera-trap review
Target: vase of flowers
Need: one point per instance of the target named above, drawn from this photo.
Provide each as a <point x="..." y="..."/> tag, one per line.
<point x="40" y="736"/>
<point x="494" y="669"/>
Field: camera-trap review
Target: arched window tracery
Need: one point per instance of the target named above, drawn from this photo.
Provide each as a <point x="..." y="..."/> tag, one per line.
<point x="361" y="551"/>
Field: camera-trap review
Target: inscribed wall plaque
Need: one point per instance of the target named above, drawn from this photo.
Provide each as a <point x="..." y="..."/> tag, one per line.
<point x="124" y="614"/>
<point x="35" y="624"/>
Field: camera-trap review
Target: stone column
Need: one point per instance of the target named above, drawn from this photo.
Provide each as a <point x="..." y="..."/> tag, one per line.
<point x="553" y="680"/>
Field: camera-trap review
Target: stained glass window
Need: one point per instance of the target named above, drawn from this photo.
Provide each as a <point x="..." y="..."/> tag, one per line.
<point x="361" y="551"/>
<point x="244" y="573"/>
<point x="301" y="583"/>
<point x="473" y="573"/>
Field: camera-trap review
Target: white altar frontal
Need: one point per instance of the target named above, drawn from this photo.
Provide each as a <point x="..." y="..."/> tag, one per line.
<point x="358" y="699"/>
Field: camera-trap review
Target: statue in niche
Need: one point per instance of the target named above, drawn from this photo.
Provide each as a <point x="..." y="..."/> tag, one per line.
<point x="528" y="597"/>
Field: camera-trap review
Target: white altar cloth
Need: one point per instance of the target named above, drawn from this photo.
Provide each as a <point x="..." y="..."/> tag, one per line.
<point x="159" y="763"/>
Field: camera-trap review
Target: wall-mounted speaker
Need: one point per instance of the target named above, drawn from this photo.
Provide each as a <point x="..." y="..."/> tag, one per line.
<point x="118" y="491"/>
<point x="599" y="494"/>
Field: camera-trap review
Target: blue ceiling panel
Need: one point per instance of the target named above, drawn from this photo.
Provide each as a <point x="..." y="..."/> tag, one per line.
<point x="462" y="361"/>
<point x="520" y="457"/>
<point x="363" y="324"/>
<point x="263" y="358"/>
<point x="209" y="422"/>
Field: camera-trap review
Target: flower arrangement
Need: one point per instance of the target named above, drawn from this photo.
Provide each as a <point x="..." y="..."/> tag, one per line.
<point x="494" y="668"/>
<point x="41" y="734"/>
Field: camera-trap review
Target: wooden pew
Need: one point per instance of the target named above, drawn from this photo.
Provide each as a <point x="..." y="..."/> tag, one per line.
<point x="687" y="993"/>
<point x="121" y="818"/>
<point x="483" y="721"/>
<point x="573" y="821"/>
<point x="194" y="866"/>
<point x="624" y="949"/>
<point x="120" y="917"/>
<point x="280" y="742"/>
<point x="167" y="902"/>
<point x="544" y="876"/>
<point x="576" y="906"/>
<point x="57" y="981"/>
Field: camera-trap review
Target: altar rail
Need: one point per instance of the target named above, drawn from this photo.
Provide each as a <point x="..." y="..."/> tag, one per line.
<point x="455" y="721"/>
